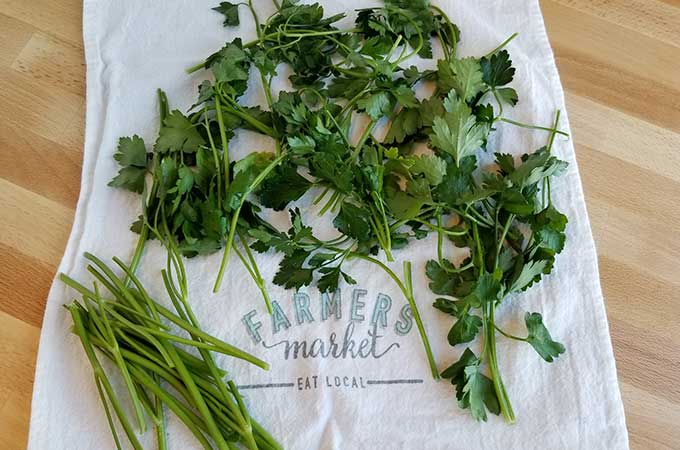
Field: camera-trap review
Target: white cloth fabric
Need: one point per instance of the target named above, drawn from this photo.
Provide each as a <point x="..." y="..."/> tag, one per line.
<point x="134" y="47"/>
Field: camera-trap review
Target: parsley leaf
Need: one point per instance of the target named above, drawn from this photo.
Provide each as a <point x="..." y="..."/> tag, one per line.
<point x="529" y="274"/>
<point x="535" y="167"/>
<point x="283" y="186"/>
<point x="344" y="87"/>
<point x="407" y="204"/>
<point x="405" y="124"/>
<point x="131" y="155"/>
<point x="354" y="222"/>
<point x="463" y="75"/>
<point x="473" y="389"/>
<point x="431" y="166"/>
<point x="487" y="290"/>
<point x="497" y="70"/>
<point x="291" y="274"/>
<point x="130" y="178"/>
<point x="465" y="329"/>
<point x="178" y="134"/>
<point x="230" y="11"/>
<point x="131" y="152"/>
<point x="458" y="133"/>
<point x="548" y="227"/>
<point x="231" y="66"/>
<point x="376" y="105"/>
<point x="479" y="393"/>
<point x="245" y="172"/>
<point x="540" y="338"/>
<point x="508" y="95"/>
<point x="445" y="281"/>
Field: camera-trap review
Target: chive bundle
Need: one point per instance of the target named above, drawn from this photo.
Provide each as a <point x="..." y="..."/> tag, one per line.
<point x="131" y="330"/>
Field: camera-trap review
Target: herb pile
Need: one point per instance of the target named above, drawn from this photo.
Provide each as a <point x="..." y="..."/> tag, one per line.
<point x="423" y="176"/>
<point x="158" y="374"/>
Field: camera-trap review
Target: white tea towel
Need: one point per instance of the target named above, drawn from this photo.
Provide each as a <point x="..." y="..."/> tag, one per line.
<point x="375" y="390"/>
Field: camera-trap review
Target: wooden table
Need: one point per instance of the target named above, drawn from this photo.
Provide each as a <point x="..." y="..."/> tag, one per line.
<point x="620" y="64"/>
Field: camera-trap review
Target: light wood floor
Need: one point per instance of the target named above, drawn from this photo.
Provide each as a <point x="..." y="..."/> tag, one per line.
<point x="620" y="64"/>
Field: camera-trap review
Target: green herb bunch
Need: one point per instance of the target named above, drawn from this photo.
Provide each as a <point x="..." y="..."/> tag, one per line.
<point x="131" y="330"/>
<point x="422" y="177"/>
<point x="503" y="261"/>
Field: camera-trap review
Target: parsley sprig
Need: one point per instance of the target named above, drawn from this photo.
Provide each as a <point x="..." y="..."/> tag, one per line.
<point x="503" y="261"/>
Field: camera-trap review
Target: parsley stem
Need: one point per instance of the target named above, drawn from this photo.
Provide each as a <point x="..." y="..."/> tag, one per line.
<point x="438" y="228"/>
<point x="351" y="102"/>
<point x="212" y="411"/>
<point x="407" y="289"/>
<point x="382" y="218"/>
<point x="452" y="30"/>
<point x="479" y="253"/>
<point x="162" y="105"/>
<point x="338" y="201"/>
<point x="503" y="44"/>
<point x="440" y="239"/>
<point x="144" y="233"/>
<point x="331" y="201"/>
<point x="546" y="199"/>
<point x="186" y="313"/>
<point x="499" y="243"/>
<point x="447" y="50"/>
<point x="352" y="73"/>
<point x="188" y="417"/>
<point x="237" y="110"/>
<point x="258" y="29"/>
<point x="421" y="39"/>
<point x="235" y="215"/>
<point x="310" y="33"/>
<point x="139" y="249"/>
<point x="362" y="139"/>
<point x="216" y="159"/>
<point x="480" y="217"/>
<point x="533" y="127"/>
<point x="161" y="425"/>
<point x="100" y="376"/>
<point x="225" y="143"/>
<point x="195" y="68"/>
<point x="253" y="270"/>
<point x="275" y="37"/>
<point x="118" y="360"/>
<point x="109" y="417"/>
<point x="376" y="224"/>
<point x="551" y="141"/>
<point x="266" y="87"/>
<point x="499" y="102"/>
<point x="490" y="349"/>
<point x="483" y="223"/>
<point x="403" y="222"/>
<point x="395" y="45"/>
<point x="508" y="335"/>
<point x="321" y="196"/>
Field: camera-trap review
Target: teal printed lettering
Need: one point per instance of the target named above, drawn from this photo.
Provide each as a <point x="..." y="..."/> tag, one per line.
<point x="382" y="305"/>
<point x="251" y="326"/>
<point x="301" y="303"/>
<point x="331" y="305"/>
<point x="279" y="318"/>
<point x="405" y="322"/>
<point x="357" y="305"/>
<point x="318" y="381"/>
<point x="349" y="348"/>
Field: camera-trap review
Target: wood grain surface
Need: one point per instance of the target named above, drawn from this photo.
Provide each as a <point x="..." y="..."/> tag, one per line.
<point x="620" y="65"/>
